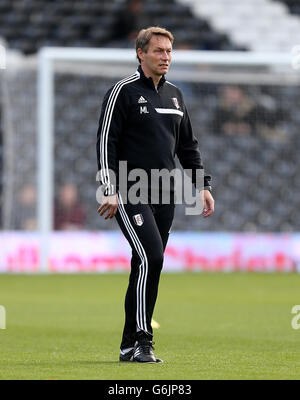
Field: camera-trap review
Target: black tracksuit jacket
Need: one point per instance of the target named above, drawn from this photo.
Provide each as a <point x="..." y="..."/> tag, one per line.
<point x="147" y="127"/>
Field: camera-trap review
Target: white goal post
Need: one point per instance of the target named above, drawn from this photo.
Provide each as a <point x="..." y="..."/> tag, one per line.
<point x="49" y="55"/>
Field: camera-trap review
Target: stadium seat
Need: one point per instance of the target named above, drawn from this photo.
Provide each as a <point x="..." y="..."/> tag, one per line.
<point x="243" y="21"/>
<point x="90" y="23"/>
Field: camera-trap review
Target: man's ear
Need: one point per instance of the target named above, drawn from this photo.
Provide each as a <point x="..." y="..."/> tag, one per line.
<point x="140" y="53"/>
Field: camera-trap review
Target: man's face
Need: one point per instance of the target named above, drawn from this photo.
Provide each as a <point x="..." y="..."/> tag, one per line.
<point x="158" y="57"/>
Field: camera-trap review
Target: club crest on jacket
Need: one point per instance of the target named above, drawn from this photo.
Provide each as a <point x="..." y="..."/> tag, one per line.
<point x="175" y="101"/>
<point x="138" y="219"/>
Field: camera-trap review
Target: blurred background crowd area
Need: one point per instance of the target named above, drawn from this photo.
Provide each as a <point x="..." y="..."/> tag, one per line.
<point x="248" y="132"/>
<point x="28" y="25"/>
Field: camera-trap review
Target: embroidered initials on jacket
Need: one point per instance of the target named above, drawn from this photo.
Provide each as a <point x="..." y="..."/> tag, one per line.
<point x="143" y="110"/>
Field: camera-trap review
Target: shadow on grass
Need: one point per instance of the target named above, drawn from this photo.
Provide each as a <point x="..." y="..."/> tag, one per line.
<point x="70" y="363"/>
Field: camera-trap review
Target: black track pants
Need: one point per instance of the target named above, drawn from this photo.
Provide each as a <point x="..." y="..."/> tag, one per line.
<point x="146" y="227"/>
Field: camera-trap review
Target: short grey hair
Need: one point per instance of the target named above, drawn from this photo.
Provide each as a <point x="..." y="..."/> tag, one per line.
<point x="144" y="36"/>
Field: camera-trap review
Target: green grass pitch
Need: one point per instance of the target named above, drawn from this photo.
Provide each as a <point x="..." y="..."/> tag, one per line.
<point x="212" y="326"/>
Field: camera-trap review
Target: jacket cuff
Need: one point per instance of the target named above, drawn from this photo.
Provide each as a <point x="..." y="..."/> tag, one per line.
<point x="203" y="183"/>
<point x="108" y="190"/>
<point x="207" y="184"/>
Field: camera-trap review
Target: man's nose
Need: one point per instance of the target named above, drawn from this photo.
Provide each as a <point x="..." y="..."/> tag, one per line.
<point x="166" y="55"/>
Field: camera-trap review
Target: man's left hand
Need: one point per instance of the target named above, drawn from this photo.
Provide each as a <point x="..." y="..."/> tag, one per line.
<point x="208" y="203"/>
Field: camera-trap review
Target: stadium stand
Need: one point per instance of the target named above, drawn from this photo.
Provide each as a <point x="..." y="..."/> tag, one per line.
<point x="293" y="5"/>
<point x="250" y="154"/>
<point x="247" y="22"/>
<point x="28" y="25"/>
<point x="251" y="169"/>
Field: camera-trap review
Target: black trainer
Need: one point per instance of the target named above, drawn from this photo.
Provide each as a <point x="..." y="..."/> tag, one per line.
<point x="143" y="351"/>
<point x="128" y="356"/>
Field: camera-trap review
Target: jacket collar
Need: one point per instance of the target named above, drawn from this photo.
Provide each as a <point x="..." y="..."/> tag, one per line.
<point x="149" y="81"/>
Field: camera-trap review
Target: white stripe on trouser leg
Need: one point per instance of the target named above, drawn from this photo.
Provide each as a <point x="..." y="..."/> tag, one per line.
<point x="143" y="269"/>
<point x="140" y="314"/>
<point x="141" y="304"/>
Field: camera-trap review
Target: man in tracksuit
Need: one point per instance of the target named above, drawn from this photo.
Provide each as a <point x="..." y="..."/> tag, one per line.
<point x="144" y="122"/>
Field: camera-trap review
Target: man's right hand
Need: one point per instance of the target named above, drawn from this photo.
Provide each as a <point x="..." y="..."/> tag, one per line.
<point x="109" y="205"/>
